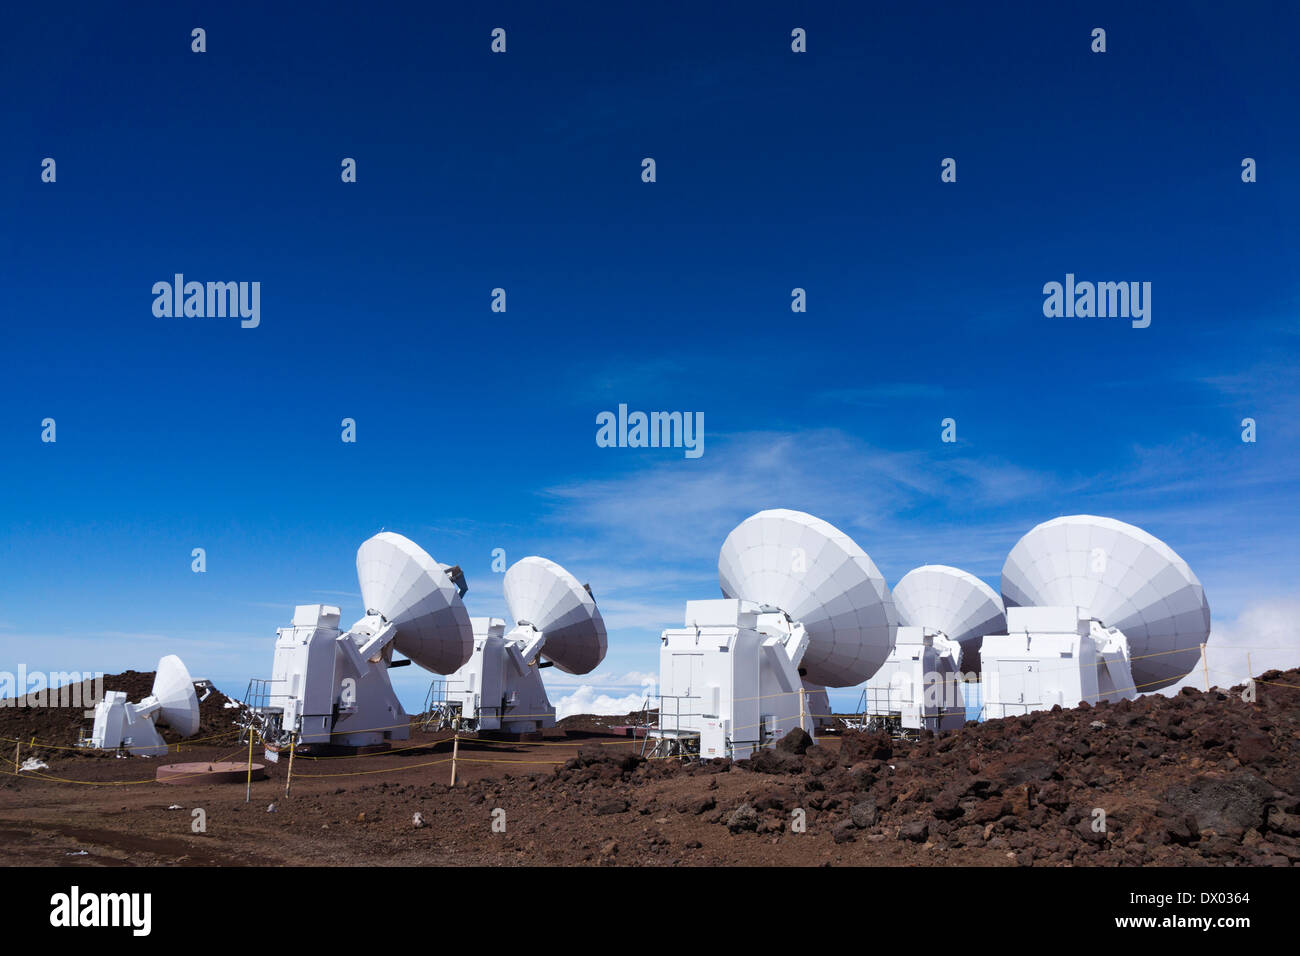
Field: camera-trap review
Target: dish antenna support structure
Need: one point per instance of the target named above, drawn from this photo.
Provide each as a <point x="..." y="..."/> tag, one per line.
<point x="802" y="603"/>
<point x="500" y="688"/>
<point x="173" y="702"/>
<point x="817" y="707"/>
<point x="943" y="614"/>
<point x="332" y="687"/>
<point x="1096" y="610"/>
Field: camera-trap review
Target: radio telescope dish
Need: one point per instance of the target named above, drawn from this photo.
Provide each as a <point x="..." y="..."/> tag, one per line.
<point x="178" y="704"/>
<point x="402" y="584"/>
<point x="820" y="578"/>
<point x="1122" y="577"/>
<point x="542" y="594"/>
<point x="953" y="601"/>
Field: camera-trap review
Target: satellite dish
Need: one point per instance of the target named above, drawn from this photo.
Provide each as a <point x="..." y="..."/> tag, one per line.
<point x="953" y="601"/>
<point x="1122" y="577"/>
<point x="819" y="577"/>
<point x="541" y="593"/>
<point x="178" y="704"/>
<point x="402" y="584"/>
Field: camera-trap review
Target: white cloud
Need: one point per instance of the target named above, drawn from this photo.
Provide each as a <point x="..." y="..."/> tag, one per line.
<point x="1263" y="637"/>
<point x="585" y="701"/>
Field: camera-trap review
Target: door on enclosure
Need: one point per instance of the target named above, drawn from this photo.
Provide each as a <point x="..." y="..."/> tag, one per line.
<point x="688" y="686"/>
<point x="1020" y="684"/>
<point x="688" y="674"/>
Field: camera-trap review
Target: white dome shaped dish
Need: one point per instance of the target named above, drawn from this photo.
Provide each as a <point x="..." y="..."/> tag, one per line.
<point x="953" y="601"/>
<point x="541" y="593"/>
<point x="819" y="577"/>
<point x="403" y="584"/>
<point x="178" y="703"/>
<point x="1123" y="577"/>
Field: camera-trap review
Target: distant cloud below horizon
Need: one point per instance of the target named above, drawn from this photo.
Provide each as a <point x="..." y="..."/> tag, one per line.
<point x="1265" y="636"/>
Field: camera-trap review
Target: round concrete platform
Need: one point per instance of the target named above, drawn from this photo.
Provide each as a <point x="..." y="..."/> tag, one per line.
<point x="220" y="772"/>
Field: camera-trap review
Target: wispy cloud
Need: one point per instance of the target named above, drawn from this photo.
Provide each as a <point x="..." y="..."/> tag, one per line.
<point x="674" y="513"/>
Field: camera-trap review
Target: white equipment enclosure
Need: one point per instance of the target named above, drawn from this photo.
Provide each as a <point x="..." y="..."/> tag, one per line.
<point x="173" y="703"/>
<point x="803" y="605"/>
<point x="332" y="687"/>
<point x="1096" y="610"/>
<point x="500" y="688"/>
<point x="943" y="613"/>
<point x="818" y="704"/>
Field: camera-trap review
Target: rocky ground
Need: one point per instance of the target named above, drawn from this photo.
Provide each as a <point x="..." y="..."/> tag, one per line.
<point x="603" y="724"/>
<point x="1196" y="779"/>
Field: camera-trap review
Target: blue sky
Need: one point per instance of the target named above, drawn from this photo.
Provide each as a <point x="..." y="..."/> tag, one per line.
<point x="476" y="430"/>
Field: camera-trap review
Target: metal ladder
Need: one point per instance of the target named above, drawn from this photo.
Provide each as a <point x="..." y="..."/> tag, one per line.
<point x="256" y="711"/>
<point x="440" y="713"/>
<point x="664" y="741"/>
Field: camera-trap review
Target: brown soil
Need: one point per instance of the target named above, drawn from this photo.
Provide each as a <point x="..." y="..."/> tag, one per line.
<point x="1194" y="779"/>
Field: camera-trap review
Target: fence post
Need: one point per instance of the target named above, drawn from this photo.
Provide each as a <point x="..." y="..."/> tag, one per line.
<point x="248" y="792"/>
<point x="289" y="780"/>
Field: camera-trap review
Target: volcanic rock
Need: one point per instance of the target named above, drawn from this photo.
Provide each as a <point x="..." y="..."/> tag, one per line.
<point x="864" y="814"/>
<point x="796" y="741"/>
<point x="1227" y="805"/>
<point x="916" y="832"/>
<point x="744" y="817"/>
<point x="775" y="761"/>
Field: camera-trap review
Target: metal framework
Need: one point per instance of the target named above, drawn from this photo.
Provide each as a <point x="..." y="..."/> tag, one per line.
<point x="441" y="712"/>
<point x="661" y="740"/>
<point x="257" y="713"/>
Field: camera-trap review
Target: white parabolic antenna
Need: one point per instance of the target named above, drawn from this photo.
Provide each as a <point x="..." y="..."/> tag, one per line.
<point x="1122" y="577"/>
<point x="820" y="578"/>
<point x="402" y="584"/>
<point x="543" y="595"/>
<point x="173" y="689"/>
<point x="953" y="601"/>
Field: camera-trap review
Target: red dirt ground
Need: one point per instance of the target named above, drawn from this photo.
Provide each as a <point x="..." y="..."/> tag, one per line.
<point x="1200" y="778"/>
